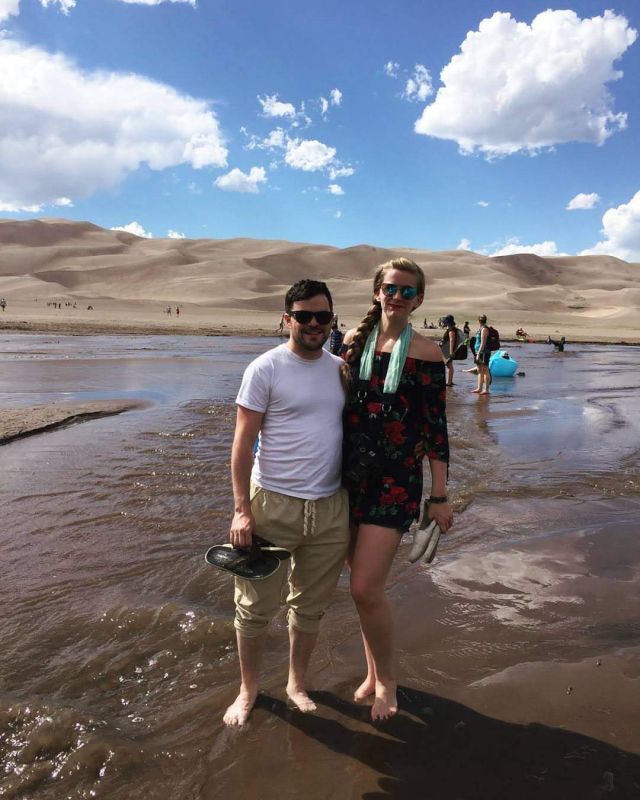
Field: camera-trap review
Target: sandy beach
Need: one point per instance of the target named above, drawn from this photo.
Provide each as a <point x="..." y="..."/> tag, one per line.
<point x="68" y="277"/>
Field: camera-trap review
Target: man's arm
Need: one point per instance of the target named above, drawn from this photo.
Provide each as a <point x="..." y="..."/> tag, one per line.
<point x="248" y="424"/>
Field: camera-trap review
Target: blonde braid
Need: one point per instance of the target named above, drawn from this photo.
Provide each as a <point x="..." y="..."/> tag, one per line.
<point x="369" y="321"/>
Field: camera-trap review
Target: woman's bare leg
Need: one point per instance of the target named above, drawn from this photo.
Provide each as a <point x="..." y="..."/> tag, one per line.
<point x="371" y="561"/>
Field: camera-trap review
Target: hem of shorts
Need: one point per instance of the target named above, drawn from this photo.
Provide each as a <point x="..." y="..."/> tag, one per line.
<point x="384" y="524"/>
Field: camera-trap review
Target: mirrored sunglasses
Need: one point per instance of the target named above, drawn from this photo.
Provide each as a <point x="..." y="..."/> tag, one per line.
<point x="305" y="317"/>
<point x="406" y="292"/>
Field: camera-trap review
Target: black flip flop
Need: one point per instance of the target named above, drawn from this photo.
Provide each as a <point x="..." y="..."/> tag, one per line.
<point x="256" y="563"/>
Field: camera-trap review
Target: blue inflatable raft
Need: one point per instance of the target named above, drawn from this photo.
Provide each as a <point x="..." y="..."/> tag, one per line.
<point x="501" y="367"/>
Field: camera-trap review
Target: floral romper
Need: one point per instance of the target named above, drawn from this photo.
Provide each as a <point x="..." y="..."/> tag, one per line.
<point x="381" y="469"/>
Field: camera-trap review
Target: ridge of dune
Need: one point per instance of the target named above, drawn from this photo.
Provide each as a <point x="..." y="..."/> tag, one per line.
<point x="125" y="276"/>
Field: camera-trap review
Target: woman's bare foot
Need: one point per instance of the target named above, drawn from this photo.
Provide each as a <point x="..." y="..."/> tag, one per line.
<point x="366" y="689"/>
<point x="475" y="391"/>
<point x="238" y="712"/>
<point x="485" y="392"/>
<point x="386" y="704"/>
<point x="300" y="699"/>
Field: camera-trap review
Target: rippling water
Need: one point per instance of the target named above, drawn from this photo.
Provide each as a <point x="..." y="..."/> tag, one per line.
<point x="118" y="653"/>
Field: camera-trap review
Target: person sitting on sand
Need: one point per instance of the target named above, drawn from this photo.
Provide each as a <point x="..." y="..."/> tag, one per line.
<point x="291" y="494"/>
<point x="558" y="344"/>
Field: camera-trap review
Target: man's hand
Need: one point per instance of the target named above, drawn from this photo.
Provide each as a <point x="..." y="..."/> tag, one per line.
<point x="241" y="532"/>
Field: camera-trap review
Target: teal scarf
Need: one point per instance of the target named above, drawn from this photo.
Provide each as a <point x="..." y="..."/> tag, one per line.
<point x="396" y="362"/>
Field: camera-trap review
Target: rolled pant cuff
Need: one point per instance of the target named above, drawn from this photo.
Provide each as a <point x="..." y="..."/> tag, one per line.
<point x="304" y="624"/>
<point x="250" y="630"/>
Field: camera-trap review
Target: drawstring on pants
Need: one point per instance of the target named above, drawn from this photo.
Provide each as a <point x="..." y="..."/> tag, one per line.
<point x="309" y="517"/>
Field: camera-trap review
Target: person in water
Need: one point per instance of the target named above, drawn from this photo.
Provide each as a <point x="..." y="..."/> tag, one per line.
<point x="558" y="344"/>
<point x="291" y="494"/>
<point x="482" y="355"/>
<point x="395" y="415"/>
<point x="451" y="341"/>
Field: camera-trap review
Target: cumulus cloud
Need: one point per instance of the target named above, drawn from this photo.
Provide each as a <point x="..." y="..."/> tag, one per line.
<point x="547" y="249"/>
<point x="135" y="228"/>
<point x="621" y="229"/>
<point x="324" y="105"/>
<point x="482" y="203"/>
<point x="61" y="202"/>
<point x="340" y="172"/>
<point x="68" y="133"/>
<point x="8" y="8"/>
<point x="272" y="107"/>
<point x="308" y="155"/>
<point x="158" y="2"/>
<point x="239" y="181"/>
<point x="336" y="97"/>
<point x="418" y="87"/>
<point x="391" y="69"/>
<point x="583" y="201"/>
<point x="464" y="244"/>
<point x="64" y="5"/>
<point x="335" y="188"/>
<point x="171" y="234"/>
<point x="518" y="87"/>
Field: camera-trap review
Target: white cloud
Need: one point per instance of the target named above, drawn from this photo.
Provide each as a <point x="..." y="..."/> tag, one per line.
<point x="464" y="244"/>
<point x="61" y="202"/>
<point x="8" y="8"/>
<point x="338" y="215"/>
<point x="64" y="5"/>
<point x="336" y="97"/>
<point x="340" y="172"/>
<point x="68" y="133"/>
<point x="515" y="86"/>
<point x="335" y="188"/>
<point x="135" y="228"/>
<point x="309" y="155"/>
<point x="324" y="105"/>
<point x="418" y="87"/>
<point x="547" y="249"/>
<point x="583" y="201"/>
<point x="171" y="234"/>
<point x="482" y="203"/>
<point x="272" y="107"/>
<point x="391" y="69"/>
<point x="621" y="228"/>
<point x="238" y="181"/>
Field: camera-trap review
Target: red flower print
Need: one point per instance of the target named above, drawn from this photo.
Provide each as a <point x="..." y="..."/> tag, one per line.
<point x="374" y="408"/>
<point x="353" y="418"/>
<point x="388" y="481"/>
<point x="393" y="431"/>
<point x="410" y="366"/>
<point x="398" y="493"/>
<point x="426" y="379"/>
<point x="409" y="462"/>
<point x="387" y="499"/>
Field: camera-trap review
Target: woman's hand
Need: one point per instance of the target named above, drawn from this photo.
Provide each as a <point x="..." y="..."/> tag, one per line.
<point x="442" y="514"/>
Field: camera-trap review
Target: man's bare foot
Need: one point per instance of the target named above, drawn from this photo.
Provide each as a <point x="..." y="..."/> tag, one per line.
<point x="366" y="689"/>
<point x="300" y="699"/>
<point x="238" y="712"/>
<point x="485" y="392"/>
<point x="385" y="705"/>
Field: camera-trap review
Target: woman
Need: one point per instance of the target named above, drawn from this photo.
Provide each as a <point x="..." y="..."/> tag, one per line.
<point x="483" y="355"/>
<point x="451" y="341"/>
<point x="395" y="413"/>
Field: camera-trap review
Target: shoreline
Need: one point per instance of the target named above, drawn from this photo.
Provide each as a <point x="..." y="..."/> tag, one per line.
<point x="145" y="328"/>
<point x="18" y="423"/>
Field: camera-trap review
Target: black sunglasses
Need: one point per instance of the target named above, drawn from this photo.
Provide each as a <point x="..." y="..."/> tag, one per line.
<point x="407" y="292"/>
<point x="305" y="317"/>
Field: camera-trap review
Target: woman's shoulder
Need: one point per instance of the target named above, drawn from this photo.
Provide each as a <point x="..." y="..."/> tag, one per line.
<point x="425" y="349"/>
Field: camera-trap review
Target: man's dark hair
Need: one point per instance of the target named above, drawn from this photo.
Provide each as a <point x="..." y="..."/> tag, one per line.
<point x="305" y="289"/>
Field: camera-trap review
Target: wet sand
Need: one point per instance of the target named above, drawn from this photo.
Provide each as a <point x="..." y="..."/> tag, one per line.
<point x="518" y="649"/>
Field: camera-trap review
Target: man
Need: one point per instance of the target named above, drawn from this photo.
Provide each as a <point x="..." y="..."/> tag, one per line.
<point x="291" y="494"/>
<point x="335" y="340"/>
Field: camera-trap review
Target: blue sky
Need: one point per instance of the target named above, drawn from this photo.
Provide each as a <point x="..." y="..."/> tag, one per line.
<point x="417" y="124"/>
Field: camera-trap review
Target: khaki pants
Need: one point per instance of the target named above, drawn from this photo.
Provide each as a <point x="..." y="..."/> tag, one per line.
<point x="316" y="533"/>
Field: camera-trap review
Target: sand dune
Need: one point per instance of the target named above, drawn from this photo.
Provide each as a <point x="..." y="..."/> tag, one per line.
<point x="238" y="284"/>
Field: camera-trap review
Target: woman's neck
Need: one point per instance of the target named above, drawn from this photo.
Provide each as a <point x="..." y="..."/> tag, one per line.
<point x="390" y="330"/>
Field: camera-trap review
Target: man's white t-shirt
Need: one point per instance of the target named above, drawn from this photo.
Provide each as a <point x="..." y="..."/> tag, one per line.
<point x="300" y="447"/>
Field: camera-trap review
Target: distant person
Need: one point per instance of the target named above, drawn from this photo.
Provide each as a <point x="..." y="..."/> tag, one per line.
<point x="281" y="326"/>
<point x="3" y="304"/>
<point x="451" y="346"/>
<point x="291" y="493"/>
<point x="425" y="324"/>
<point x="466" y="329"/>
<point x="483" y="354"/>
<point x="177" y="311"/>
<point x="335" y="340"/>
<point x="558" y="344"/>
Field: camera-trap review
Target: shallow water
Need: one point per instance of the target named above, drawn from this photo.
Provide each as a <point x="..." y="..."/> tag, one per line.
<point x="118" y="654"/>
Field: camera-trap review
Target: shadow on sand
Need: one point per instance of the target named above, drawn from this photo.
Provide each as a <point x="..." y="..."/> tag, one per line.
<point x="441" y="750"/>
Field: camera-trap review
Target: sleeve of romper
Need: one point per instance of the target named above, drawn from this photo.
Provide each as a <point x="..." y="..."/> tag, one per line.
<point x="434" y="414"/>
